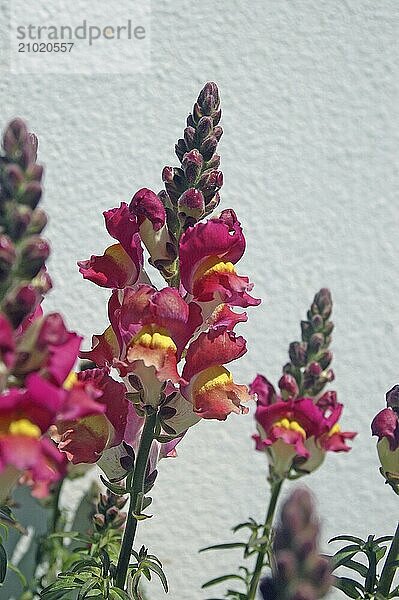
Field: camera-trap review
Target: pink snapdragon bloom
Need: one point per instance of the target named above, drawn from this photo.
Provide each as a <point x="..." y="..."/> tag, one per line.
<point x="208" y="252"/>
<point x="24" y="448"/>
<point x="85" y="437"/>
<point x="46" y="345"/>
<point x="385" y="426"/>
<point x="121" y="263"/>
<point x="149" y="332"/>
<point x="210" y="387"/>
<point x="297" y="431"/>
<point x="39" y="356"/>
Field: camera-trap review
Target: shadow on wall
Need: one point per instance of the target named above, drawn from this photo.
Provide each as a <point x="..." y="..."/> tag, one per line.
<point x="21" y="549"/>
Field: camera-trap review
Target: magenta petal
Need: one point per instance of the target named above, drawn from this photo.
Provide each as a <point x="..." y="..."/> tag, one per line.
<point x="146" y="204"/>
<point x="386" y="424"/>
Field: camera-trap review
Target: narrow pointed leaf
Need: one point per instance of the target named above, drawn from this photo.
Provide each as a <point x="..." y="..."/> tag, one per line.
<point x="350" y="587"/>
<point x="220" y="579"/>
<point x="226" y="546"/>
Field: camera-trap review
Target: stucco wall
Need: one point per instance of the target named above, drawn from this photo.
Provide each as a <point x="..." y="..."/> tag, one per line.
<point x="310" y="156"/>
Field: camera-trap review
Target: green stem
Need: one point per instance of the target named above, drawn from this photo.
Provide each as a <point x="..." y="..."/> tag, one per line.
<point x="276" y="488"/>
<point x="56" y="506"/>
<point x="389" y="569"/>
<point x="136" y="483"/>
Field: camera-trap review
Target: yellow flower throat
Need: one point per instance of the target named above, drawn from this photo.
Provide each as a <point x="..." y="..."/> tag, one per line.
<point x="213" y="265"/>
<point x="291" y="425"/>
<point x="154" y="337"/>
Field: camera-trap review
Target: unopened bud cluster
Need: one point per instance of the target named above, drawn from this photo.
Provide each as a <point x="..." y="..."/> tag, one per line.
<point x="310" y="358"/>
<point x="192" y="189"/>
<point x="23" y="253"/>
<point x="299" y="572"/>
<point x="109" y="514"/>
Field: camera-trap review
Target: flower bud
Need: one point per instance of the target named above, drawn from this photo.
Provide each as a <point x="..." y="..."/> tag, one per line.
<point x="192" y="165"/>
<point x="99" y="520"/>
<point x="42" y="282"/>
<point x="167" y="174"/>
<point x="145" y="204"/>
<point x="7" y="256"/>
<point x="35" y="172"/>
<point x="33" y="256"/>
<point x="297" y="352"/>
<point x="18" y="220"/>
<point x="322" y="303"/>
<point x="191" y="204"/>
<point x="385" y="426"/>
<point x="208" y="99"/>
<point x="306" y="330"/>
<point x="204" y="127"/>
<point x="314" y="369"/>
<point x="15" y="138"/>
<point x="210" y="183"/>
<point x="208" y="147"/>
<point x="13" y="178"/>
<point x="111" y="513"/>
<point x="32" y="194"/>
<point x="189" y="137"/>
<point x="20" y="303"/>
<point x="214" y="162"/>
<point x="317" y="322"/>
<point x="180" y="149"/>
<point x="38" y="221"/>
<point x="288" y="387"/>
<point x="325" y="359"/>
<point x="52" y="332"/>
<point x="392" y="397"/>
<point x="34" y="143"/>
<point x="316" y="342"/>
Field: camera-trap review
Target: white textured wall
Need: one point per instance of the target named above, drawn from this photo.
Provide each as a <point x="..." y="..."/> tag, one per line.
<point x="310" y="157"/>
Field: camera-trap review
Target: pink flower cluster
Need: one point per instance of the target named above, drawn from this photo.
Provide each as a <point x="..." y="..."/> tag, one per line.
<point x="297" y="431"/>
<point x="171" y="346"/>
<point x="37" y="359"/>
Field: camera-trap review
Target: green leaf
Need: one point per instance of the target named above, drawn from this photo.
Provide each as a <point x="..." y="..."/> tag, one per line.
<point x="119" y="490"/>
<point x="19" y="574"/>
<point x="347" y="538"/>
<point x="155" y="568"/>
<point x="357" y="566"/>
<point x="251" y="524"/>
<point x="221" y="579"/>
<point x="3" y="563"/>
<point x="146" y="502"/>
<point x="380" y="553"/>
<point x="86" y="588"/>
<point x="224" y="546"/>
<point x="350" y="587"/>
<point x="342" y="556"/>
<point x="385" y="538"/>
